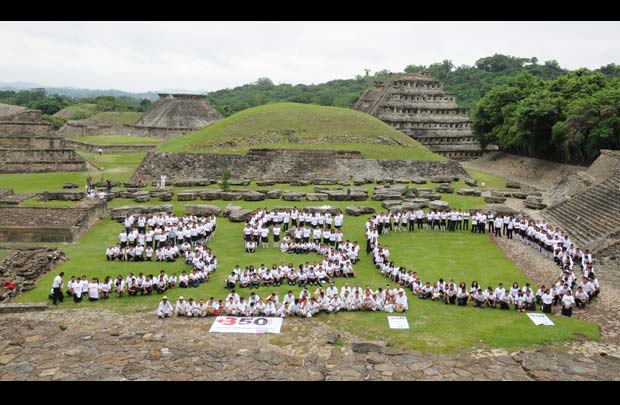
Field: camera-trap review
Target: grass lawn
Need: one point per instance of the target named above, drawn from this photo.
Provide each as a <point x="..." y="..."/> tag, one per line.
<point x="293" y="125"/>
<point x="435" y="327"/>
<point x="118" y="140"/>
<point x="118" y="166"/>
<point x="490" y="181"/>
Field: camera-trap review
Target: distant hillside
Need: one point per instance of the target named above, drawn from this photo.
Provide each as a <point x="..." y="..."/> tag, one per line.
<point x="77" y="93"/>
<point x="294" y="125"/>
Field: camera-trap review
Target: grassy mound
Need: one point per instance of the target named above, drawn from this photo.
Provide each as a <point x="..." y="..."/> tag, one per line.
<point x="292" y="125"/>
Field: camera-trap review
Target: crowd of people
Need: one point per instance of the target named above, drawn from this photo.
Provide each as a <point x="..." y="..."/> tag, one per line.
<point x="132" y="285"/>
<point x="167" y="237"/>
<point x="549" y="241"/>
<point x="163" y="237"/>
<point x="306" y="304"/>
<point x="305" y="228"/>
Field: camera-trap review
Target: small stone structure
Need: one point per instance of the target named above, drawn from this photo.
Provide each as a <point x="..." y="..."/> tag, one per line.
<point x="284" y="165"/>
<point x="27" y="144"/>
<point x="49" y="224"/>
<point x="417" y="105"/>
<point x="120" y="213"/>
<point x="176" y="114"/>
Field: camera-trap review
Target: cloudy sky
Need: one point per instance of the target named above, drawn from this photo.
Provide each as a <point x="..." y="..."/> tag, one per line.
<point x="150" y="56"/>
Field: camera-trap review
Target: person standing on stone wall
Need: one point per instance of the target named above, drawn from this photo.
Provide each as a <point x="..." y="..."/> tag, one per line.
<point x="162" y="182"/>
<point x="89" y="183"/>
<point x="57" y="288"/>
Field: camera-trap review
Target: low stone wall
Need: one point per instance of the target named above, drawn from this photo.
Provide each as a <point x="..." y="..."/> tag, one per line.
<point x="284" y="165"/>
<point x="156" y="132"/>
<point x="119" y="214"/>
<point x="24" y="267"/>
<point x="89" y="147"/>
<point x="76" y="128"/>
<point x="42" y="167"/>
<point x="31" y="142"/>
<point x="49" y="224"/>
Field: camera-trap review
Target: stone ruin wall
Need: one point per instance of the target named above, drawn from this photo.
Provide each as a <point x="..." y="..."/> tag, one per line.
<point x="49" y="224"/>
<point x="605" y="165"/>
<point x="26" y="128"/>
<point x="89" y="147"/>
<point x="286" y="165"/>
<point x="24" y="267"/>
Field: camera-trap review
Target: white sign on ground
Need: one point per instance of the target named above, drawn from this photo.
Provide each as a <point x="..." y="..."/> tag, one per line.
<point x="398" y="322"/>
<point x="233" y="324"/>
<point x="540" y="319"/>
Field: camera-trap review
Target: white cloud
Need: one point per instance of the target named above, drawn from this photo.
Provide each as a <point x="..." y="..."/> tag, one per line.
<point x="142" y="56"/>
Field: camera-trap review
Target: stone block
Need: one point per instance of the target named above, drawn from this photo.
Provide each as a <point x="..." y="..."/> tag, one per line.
<point x="324" y="182"/>
<point x="444" y="188"/>
<point x="203" y="210"/>
<point x="430" y="196"/>
<point x="494" y="200"/>
<point x="470" y="192"/>
<point x="401" y="181"/>
<point x="142" y="196"/>
<point x="422" y="202"/>
<point x="292" y="196"/>
<point x="274" y="194"/>
<point x="316" y="197"/>
<point x="119" y="214"/>
<point x="69" y="185"/>
<point x="337" y="195"/>
<point x="165" y="197"/>
<point x="186" y="196"/>
<point x="386" y="196"/>
<point x="62" y="195"/>
<point x="512" y="184"/>
<point x="439" y="205"/>
<point x="239" y="182"/>
<point x="418" y="180"/>
<point x="358" y="195"/>
<point x="299" y="183"/>
<point x="231" y="195"/>
<point x="193" y="182"/>
<point x="254" y="196"/>
<point x="209" y="195"/>
<point x="390" y="203"/>
<point x="441" y="179"/>
<point x="262" y="183"/>
<point x="471" y="182"/>
<point x="356" y="211"/>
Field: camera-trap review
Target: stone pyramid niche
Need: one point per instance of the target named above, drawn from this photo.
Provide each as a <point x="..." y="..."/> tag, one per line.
<point x="417" y="105"/>
<point x="28" y="144"/>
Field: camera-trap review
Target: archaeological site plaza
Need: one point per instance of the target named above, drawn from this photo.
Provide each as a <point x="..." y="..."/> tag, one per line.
<point x="440" y="223"/>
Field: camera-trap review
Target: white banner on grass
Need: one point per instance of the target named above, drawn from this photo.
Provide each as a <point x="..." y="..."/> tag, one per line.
<point x="234" y="324"/>
<point x="540" y="319"/>
<point x="398" y="322"/>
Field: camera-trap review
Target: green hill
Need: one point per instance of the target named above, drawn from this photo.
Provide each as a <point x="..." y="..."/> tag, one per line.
<point x="292" y="125"/>
<point x="77" y="112"/>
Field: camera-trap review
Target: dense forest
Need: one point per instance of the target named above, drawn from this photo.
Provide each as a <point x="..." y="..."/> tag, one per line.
<point x="567" y="119"/>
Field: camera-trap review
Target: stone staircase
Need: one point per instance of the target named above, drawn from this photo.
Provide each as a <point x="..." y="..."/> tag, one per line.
<point x="591" y="214"/>
<point x="37" y="153"/>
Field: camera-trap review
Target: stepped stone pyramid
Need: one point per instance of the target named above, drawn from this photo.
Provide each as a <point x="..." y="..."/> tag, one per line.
<point x="592" y="217"/>
<point x="175" y="114"/>
<point x="417" y="105"/>
<point x="28" y="144"/>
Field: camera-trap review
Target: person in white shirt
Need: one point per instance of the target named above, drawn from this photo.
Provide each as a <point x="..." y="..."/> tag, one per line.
<point x="568" y="302"/>
<point x="164" y="309"/>
<point x="57" y="288"/>
<point x="181" y="307"/>
<point x="400" y="302"/>
<point x="119" y="286"/>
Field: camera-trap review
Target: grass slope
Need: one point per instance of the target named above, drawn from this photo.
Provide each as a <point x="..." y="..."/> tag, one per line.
<point x="78" y="111"/>
<point x="292" y="125"/>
